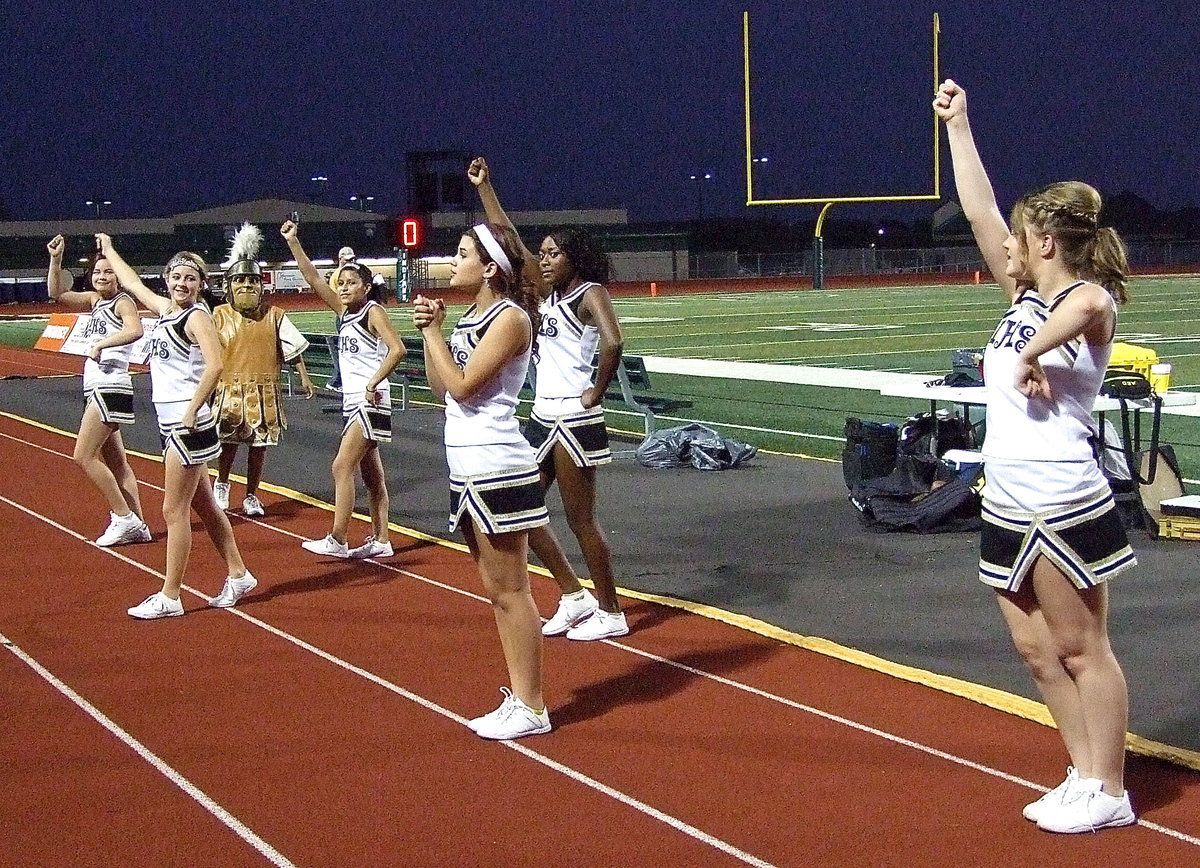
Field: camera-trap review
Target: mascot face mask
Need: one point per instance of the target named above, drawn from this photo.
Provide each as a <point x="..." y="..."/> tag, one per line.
<point x="243" y="274"/>
<point x="245" y="291"/>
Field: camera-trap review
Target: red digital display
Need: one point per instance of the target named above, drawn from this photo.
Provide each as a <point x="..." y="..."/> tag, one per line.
<point x="410" y="232"/>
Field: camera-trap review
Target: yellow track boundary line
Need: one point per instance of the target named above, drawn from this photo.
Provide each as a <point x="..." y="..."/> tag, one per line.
<point x="992" y="697"/>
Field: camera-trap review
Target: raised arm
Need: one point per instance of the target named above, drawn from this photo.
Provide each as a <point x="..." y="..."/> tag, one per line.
<point x="290" y="233"/>
<point x="975" y="192"/>
<point x="128" y="278"/>
<point x="59" y="280"/>
<point x="481" y="177"/>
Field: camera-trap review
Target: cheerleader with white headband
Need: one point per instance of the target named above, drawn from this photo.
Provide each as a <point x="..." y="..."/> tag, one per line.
<point x="496" y="497"/>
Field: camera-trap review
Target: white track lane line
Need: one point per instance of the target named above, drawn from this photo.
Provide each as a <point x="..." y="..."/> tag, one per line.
<point x="243" y="831"/>
<point x="737" y="685"/>
<point x="198" y="795"/>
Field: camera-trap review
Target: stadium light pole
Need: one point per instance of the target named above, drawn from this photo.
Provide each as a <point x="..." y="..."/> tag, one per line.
<point x="97" y="204"/>
<point x="320" y="182"/>
<point x="700" y="178"/>
<point x="362" y="201"/>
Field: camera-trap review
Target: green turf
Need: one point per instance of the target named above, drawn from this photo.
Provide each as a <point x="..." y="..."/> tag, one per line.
<point x="21" y="332"/>
<point x="909" y="329"/>
<point x="902" y="329"/>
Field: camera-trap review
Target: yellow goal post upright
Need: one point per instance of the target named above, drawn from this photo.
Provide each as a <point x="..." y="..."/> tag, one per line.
<point x="829" y="201"/>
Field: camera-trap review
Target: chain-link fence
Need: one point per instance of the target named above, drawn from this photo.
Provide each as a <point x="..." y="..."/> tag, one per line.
<point x="931" y="260"/>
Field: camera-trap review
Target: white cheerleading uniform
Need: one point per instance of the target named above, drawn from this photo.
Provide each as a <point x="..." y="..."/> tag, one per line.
<point x="493" y="471"/>
<point x="106" y="384"/>
<point x="360" y="353"/>
<point x="176" y="366"/>
<point x="1044" y="492"/>
<point x="566" y="347"/>
<point x="565" y="370"/>
<point x="1034" y="429"/>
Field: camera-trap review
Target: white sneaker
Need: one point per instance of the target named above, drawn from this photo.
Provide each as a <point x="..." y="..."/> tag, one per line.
<point x="221" y="493"/>
<point x="251" y="505"/>
<point x="1033" y="811"/>
<point x="1087" y="809"/>
<point x="513" y="719"/>
<point x="372" y="548"/>
<point x="327" y="546"/>
<point x="601" y="625"/>
<point x="572" y="609"/>
<point x="234" y="590"/>
<point x="486" y="719"/>
<point x="121" y="530"/>
<point x="157" y="606"/>
<point x="143" y="534"/>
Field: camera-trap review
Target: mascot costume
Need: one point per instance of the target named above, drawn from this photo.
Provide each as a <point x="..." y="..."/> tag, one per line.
<point x="258" y="339"/>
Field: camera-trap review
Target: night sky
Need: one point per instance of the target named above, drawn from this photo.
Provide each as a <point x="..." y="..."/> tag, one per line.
<point x="169" y="106"/>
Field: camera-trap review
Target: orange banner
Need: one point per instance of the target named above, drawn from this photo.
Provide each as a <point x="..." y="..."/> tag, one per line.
<point x="57" y="331"/>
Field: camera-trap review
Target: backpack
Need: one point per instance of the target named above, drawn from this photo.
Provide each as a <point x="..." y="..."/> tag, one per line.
<point x="870" y="450"/>
<point x="924" y="439"/>
<point x="920" y="493"/>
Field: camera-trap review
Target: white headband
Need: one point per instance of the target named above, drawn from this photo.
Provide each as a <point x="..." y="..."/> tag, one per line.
<point x="492" y="246"/>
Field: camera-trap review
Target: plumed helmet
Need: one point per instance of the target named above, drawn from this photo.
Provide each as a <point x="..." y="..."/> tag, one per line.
<point x="243" y="253"/>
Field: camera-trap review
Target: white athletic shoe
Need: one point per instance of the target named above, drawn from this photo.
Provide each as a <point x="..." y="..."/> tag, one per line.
<point x="372" y="548"/>
<point x="1033" y="811"/>
<point x="572" y="609"/>
<point x="327" y="546"/>
<point x="144" y="534"/>
<point x="221" y="493"/>
<point x="121" y="530"/>
<point x="513" y="719"/>
<point x="1087" y="809"/>
<point x="252" y="506"/>
<point x="601" y="625"/>
<point x="234" y="590"/>
<point x="157" y="606"/>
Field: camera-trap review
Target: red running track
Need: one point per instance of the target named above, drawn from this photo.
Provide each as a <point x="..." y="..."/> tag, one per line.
<point x="322" y="722"/>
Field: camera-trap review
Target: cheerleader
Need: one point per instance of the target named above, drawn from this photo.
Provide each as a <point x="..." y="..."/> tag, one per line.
<point x="566" y="427"/>
<point x="112" y="329"/>
<point x="1051" y="535"/>
<point x="368" y="351"/>
<point x="185" y="364"/>
<point x="495" y="494"/>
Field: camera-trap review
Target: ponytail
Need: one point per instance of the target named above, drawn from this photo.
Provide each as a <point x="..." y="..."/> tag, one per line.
<point x="1105" y="263"/>
<point x="1070" y="211"/>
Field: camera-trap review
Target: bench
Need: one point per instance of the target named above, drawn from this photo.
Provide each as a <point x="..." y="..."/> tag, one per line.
<point x="632" y="387"/>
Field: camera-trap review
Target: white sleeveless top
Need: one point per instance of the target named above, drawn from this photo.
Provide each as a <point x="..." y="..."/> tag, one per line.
<point x="1036" y="429"/>
<point x="489" y="416"/>
<point x="360" y="353"/>
<point x="113" y="367"/>
<point x="176" y="365"/>
<point x="566" y="347"/>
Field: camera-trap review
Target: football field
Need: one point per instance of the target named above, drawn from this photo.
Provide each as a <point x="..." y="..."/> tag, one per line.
<point x="908" y="330"/>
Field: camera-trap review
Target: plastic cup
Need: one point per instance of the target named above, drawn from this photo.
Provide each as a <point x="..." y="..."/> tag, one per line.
<point x="1160" y="377"/>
